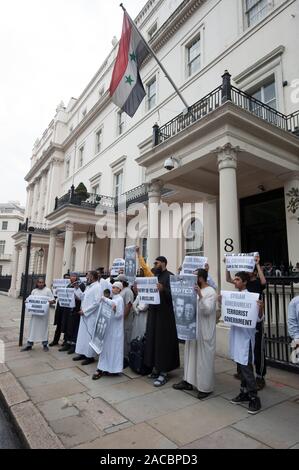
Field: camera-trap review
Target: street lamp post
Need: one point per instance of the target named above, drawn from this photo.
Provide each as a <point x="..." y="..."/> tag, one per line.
<point x="25" y="283"/>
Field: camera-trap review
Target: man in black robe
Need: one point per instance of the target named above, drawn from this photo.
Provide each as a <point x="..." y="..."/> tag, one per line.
<point x="59" y="321"/>
<point x="161" y="345"/>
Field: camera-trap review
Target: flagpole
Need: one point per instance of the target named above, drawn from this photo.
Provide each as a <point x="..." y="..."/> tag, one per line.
<point x="156" y="58"/>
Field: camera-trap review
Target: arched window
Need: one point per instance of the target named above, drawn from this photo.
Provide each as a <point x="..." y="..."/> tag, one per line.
<point x="194" y="238"/>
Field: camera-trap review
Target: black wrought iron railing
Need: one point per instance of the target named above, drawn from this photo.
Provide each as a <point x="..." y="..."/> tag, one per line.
<point x="5" y="282"/>
<point x="212" y="101"/>
<point x="278" y="294"/>
<point x="38" y="228"/>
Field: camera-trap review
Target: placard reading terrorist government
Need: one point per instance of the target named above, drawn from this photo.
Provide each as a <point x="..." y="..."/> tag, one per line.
<point x="240" y="308"/>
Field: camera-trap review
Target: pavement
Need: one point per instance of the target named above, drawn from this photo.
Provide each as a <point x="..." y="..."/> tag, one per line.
<point x="55" y="403"/>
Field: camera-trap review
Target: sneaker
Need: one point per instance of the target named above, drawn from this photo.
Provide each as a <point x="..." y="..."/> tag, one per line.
<point x="254" y="405"/>
<point x="241" y="398"/>
<point x="45" y="348"/>
<point x="26" y="348"/>
<point x="260" y="383"/>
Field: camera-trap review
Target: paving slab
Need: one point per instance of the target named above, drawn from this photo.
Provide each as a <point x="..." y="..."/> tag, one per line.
<point x="57" y="409"/>
<point x="61" y="389"/>
<point x="66" y="363"/>
<point x="140" y="436"/>
<point x="75" y="430"/>
<point x="193" y="422"/>
<point x="3" y="368"/>
<point x="94" y="386"/>
<point x="11" y="390"/>
<point x="99" y="412"/>
<point x="50" y="377"/>
<point x="154" y="404"/>
<point x="124" y="391"/>
<point x="223" y="365"/>
<point x="34" y="428"/>
<point x="226" y="438"/>
<point x="283" y="377"/>
<point x="34" y="369"/>
<point x="277" y="427"/>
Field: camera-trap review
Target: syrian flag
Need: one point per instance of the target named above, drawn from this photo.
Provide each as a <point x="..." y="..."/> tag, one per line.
<point x="126" y="88"/>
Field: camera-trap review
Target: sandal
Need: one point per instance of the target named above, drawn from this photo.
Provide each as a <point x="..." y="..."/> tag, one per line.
<point x="161" y="380"/>
<point x="183" y="385"/>
<point x="98" y="374"/>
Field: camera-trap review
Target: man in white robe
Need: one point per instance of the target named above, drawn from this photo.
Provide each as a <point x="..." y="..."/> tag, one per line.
<point x="200" y="353"/>
<point x="39" y="324"/>
<point x="112" y="355"/>
<point x="89" y="309"/>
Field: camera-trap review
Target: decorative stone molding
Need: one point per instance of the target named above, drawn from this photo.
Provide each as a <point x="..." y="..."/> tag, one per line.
<point x="155" y="188"/>
<point x="227" y="156"/>
<point x="69" y="227"/>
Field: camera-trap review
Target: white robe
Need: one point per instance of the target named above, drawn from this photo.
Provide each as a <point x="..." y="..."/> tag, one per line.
<point x="239" y="343"/>
<point x="90" y="304"/>
<point x="112" y="355"/>
<point x="140" y="311"/>
<point x="39" y="325"/>
<point x="200" y="354"/>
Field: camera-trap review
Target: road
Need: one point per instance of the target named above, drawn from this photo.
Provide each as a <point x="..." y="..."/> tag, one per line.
<point x="8" y="436"/>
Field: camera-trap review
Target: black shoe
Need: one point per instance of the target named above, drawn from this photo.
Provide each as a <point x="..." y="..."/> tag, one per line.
<point x="71" y="350"/>
<point x="202" y="395"/>
<point x="54" y="343"/>
<point x="45" y="348"/>
<point x="79" y="358"/>
<point x="26" y="348"/>
<point x="237" y="376"/>
<point x="88" y="360"/>
<point x="65" y="347"/>
<point x="254" y="405"/>
<point x="241" y="398"/>
<point x="183" y="385"/>
<point x="260" y="383"/>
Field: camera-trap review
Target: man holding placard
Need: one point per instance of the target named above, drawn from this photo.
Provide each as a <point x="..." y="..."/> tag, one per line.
<point x="242" y="310"/>
<point x="38" y="305"/>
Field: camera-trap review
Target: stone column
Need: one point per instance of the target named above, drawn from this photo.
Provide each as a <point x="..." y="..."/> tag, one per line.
<point x="228" y="204"/>
<point x="154" y="199"/>
<point x="21" y="268"/>
<point x="292" y="221"/>
<point x="35" y="201"/>
<point x="42" y="198"/>
<point x="68" y="243"/>
<point x="51" y="258"/>
<point x="15" y="265"/>
<point x="211" y="236"/>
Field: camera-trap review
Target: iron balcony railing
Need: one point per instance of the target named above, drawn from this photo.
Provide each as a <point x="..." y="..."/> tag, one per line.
<point x="212" y="101"/>
<point x="33" y="227"/>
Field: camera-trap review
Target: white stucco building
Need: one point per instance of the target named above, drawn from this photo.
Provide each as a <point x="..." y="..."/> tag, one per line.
<point x="233" y="156"/>
<point x="11" y="215"/>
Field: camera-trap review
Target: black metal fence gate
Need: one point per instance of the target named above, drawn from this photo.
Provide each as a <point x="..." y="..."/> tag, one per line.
<point x="279" y="292"/>
<point x="5" y="282"/>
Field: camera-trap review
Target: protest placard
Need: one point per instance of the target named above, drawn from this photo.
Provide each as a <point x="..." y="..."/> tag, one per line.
<point x="37" y="305"/>
<point x="241" y="262"/>
<point x="130" y="263"/>
<point x="147" y="290"/>
<point x="103" y="318"/>
<point x="66" y="297"/>
<point x="118" y="263"/>
<point x="184" y="299"/>
<point x="191" y="263"/>
<point x="239" y="308"/>
<point x="59" y="283"/>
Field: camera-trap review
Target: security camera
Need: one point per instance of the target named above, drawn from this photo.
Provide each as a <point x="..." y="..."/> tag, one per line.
<point x="169" y="164"/>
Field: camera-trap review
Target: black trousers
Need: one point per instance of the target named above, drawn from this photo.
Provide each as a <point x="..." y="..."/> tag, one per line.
<point x="259" y="351"/>
<point x="248" y="383"/>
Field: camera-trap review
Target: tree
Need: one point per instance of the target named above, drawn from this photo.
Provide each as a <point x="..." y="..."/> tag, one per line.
<point x="293" y="204"/>
<point x="82" y="192"/>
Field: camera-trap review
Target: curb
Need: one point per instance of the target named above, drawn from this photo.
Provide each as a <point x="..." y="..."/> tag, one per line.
<point x="33" y="429"/>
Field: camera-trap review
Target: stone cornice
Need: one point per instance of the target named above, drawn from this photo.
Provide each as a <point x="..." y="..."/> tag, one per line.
<point x="42" y="160"/>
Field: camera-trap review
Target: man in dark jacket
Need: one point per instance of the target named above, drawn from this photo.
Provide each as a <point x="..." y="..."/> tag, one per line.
<point x="59" y="320"/>
<point x="161" y="347"/>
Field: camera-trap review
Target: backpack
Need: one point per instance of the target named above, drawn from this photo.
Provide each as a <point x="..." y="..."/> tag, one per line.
<point x="136" y="356"/>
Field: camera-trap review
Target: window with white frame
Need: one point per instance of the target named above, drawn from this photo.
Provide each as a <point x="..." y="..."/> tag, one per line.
<point x="4" y="225"/>
<point x="99" y="135"/>
<point x="266" y="93"/>
<point x="193" y="55"/>
<point x="151" y="32"/>
<point x="67" y="167"/>
<point x="256" y="10"/>
<point x="2" y="247"/>
<point x="118" y="183"/>
<point x="120" y="122"/>
<point x="81" y="156"/>
<point x="151" y="93"/>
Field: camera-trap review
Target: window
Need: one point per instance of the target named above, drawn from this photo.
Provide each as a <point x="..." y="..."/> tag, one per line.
<point x="67" y="168"/>
<point x="255" y="10"/>
<point x="193" y="57"/>
<point x="2" y="247"/>
<point x="98" y="141"/>
<point x="95" y="189"/>
<point x="194" y="238"/>
<point x="151" y="91"/>
<point x="120" y="122"/>
<point x="152" y="30"/>
<point x="266" y="94"/>
<point x="81" y="156"/>
<point x="4" y="225"/>
<point x="118" y="182"/>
